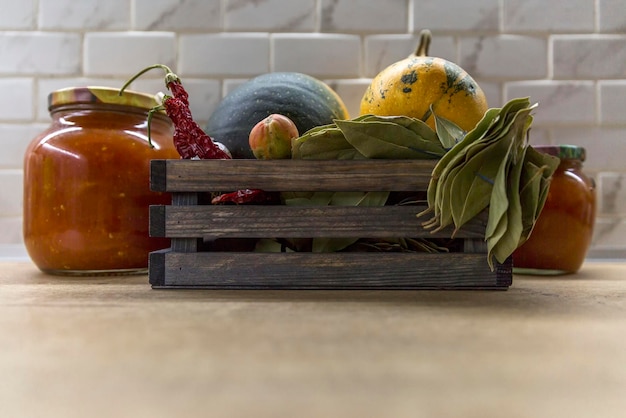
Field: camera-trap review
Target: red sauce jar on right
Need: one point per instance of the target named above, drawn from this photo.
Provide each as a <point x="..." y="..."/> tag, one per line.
<point x="562" y="234"/>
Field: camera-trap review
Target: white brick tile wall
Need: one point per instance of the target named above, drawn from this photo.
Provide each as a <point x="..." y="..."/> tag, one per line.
<point x="613" y="102"/>
<point x="384" y="50"/>
<point x="11" y="227"/>
<point x="493" y="92"/>
<point x="320" y="55"/>
<point x="539" y="136"/>
<point x="224" y="54"/>
<point x="584" y="57"/>
<point x="11" y="185"/>
<point x="501" y="57"/>
<point x="611" y="16"/>
<point x="351" y="92"/>
<point x="557" y="16"/>
<point x="13" y="142"/>
<point x="608" y="237"/>
<point x="457" y="15"/>
<point x="18" y="15"/>
<point x="84" y="14"/>
<point x="611" y="193"/>
<point x="294" y="16"/>
<point x="563" y="102"/>
<point x="570" y="56"/>
<point x="40" y="53"/>
<point x="230" y="84"/>
<point x="20" y="106"/>
<point x="173" y="15"/>
<point x="125" y="53"/>
<point x="364" y="16"/>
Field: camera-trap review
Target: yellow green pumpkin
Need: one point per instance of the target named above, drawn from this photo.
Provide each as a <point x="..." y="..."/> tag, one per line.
<point x="420" y="85"/>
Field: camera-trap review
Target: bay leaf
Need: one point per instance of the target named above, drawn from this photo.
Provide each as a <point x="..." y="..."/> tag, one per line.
<point x="530" y="190"/>
<point x="505" y="224"/>
<point x="535" y="182"/>
<point x="377" y="139"/>
<point x="474" y="185"/>
<point x="504" y="245"/>
<point x="514" y="136"/>
<point x="468" y="160"/>
<point x="451" y="158"/>
<point x="421" y="128"/>
<point x="549" y="163"/>
<point x="448" y="132"/>
<point x="324" y="143"/>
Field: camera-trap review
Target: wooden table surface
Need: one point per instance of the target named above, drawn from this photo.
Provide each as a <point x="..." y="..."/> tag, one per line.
<point x="114" y="347"/>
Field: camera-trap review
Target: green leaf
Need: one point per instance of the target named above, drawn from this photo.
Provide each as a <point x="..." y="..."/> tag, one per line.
<point x="530" y="191"/>
<point x="378" y="139"/>
<point x="451" y="201"/>
<point x="473" y="186"/>
<point x="513" y="137"/>
<point x="323" y="143"/>
<point x="534" y="186"/>
<point x="418" y="126"/>
<point x="448" y="132"/>
<point x="501" y="245"/>
<point x="314" y="198"/>
<point x="366" y="199"/>
<point x="451" y="158"/>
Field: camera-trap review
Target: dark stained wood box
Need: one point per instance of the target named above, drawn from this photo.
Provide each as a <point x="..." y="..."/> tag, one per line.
<point x="192" y="225"/>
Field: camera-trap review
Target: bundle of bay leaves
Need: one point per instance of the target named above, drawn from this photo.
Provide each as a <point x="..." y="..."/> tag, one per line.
<point x="492" y="166"/>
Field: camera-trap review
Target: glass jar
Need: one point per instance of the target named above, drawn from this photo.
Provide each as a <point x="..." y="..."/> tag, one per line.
<point x="86" y="183"/>
<point x="562" y="234"/>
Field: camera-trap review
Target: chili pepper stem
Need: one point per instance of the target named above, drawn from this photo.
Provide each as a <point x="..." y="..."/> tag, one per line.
<point x="169" y="75"/>
<point x="151" y="113"/>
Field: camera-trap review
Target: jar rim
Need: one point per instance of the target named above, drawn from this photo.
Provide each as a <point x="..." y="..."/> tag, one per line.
<point x="100" y="95"/>
<point x="563" y="151"/>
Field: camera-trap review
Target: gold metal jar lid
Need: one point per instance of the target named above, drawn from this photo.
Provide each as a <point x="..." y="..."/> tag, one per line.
<point x="100" y="95"/>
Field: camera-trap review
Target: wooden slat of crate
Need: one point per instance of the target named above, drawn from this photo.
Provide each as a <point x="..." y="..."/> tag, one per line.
<point x="225" y="270"/>
<point x="290" y="175"/>
<point x="187" y="223"/>
<point x="257" y="221"/>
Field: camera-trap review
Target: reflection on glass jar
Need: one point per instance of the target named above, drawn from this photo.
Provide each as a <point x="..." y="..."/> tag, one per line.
<point x="561" y="237"/>
<point x="86" y="183"/>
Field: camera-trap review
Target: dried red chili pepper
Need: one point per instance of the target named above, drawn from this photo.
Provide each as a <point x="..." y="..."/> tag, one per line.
<point x="247" y="196"/>
<point x="189" y="138"/>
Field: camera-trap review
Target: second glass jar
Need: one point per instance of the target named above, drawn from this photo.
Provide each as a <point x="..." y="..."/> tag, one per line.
<point x="562" y="234"/>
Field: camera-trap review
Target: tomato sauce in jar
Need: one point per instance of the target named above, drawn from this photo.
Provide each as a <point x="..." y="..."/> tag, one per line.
<point x="86" y="183"/>
<point x="562" y="234"/>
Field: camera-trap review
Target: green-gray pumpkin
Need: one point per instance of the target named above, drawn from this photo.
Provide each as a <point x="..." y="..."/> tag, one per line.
<point x="307" y="101"/>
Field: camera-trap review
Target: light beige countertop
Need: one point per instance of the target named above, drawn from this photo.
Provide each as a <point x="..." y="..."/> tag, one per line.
<point x="114" y="347"/>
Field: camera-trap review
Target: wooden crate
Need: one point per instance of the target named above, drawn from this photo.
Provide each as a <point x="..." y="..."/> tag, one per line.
<point x="191" y="224"/>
